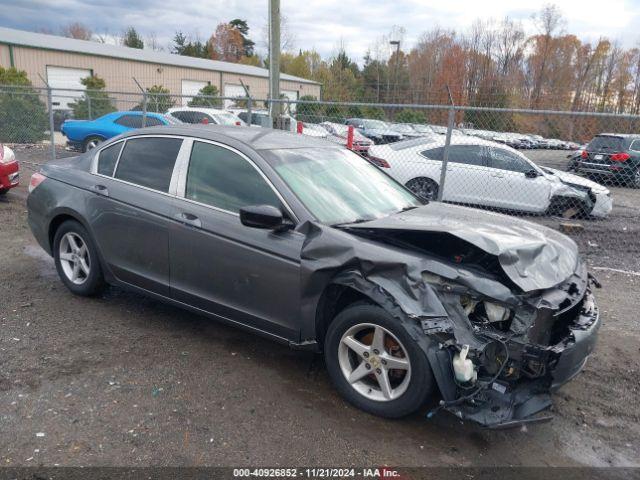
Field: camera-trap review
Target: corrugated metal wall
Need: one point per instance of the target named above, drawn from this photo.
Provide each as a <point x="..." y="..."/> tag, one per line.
<point x="119" y="73"/>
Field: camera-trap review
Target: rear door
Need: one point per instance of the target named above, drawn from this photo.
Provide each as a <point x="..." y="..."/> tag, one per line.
<point x="508" y="187"/>
<point x="132" y="209"/>
<point x="245" y="275"/>
<point x="466" y="168"/>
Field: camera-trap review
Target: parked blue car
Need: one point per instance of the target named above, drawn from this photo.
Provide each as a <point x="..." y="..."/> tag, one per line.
<point x="83" y="135"/>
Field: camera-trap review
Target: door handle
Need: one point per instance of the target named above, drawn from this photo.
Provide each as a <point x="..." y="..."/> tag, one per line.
<point x="101" y="190"/>
<point x="498" y="175"/>
<point x="189" y="219"/>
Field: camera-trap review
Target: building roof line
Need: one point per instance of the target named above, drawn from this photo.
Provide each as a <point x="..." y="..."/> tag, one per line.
<point x="23" y="38"/>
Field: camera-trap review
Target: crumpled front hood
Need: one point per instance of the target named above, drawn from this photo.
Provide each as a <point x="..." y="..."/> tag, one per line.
<point x="534" y="257"/>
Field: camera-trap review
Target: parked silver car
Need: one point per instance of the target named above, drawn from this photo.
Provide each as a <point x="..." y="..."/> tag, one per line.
<point x="309" y="244"/>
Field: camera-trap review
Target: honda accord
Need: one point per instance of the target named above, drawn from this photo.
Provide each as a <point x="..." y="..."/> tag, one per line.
<point x="309" y="244"/>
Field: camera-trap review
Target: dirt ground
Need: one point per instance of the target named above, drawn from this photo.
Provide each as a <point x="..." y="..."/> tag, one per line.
<point x="122" y="380"/>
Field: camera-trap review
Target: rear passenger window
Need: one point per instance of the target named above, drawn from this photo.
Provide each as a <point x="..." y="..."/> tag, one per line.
<point x="153" y="122"/>
<point x="149" y="162"/>
<point x="223" y="179"/>
<point x="108" y="158"/>
<point x="131" y="121"/>
<point x="434" y="153"/>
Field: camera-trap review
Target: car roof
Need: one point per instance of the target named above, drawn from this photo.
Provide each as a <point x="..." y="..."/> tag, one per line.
<point x="439" y="141"/>
<point x="256" y="138"/>
<point x="621" y="135"/>
<point x="209" y="110"/>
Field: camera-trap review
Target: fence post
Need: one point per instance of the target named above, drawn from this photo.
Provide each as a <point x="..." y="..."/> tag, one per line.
<point x="249" y="116"/>
<point x="144" y="102"/>
<point x="52" y="137"/>
<point x="52" y="133"/>
<point x="445" y="156"/>
<point x="89" y="106"/>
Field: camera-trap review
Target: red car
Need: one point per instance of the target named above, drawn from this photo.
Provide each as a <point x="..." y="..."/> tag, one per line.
<point x="9" y="170"/>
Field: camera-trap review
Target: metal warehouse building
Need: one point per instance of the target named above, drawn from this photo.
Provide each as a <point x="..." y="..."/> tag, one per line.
<point x="63" y="62"/>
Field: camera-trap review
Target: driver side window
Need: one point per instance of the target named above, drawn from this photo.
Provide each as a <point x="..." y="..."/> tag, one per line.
<point x="506" y="160"/>
<point x="223" y="179"/>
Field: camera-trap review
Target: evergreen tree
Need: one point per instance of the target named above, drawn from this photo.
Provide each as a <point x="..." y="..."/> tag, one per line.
<point x="132" y="39"/>
<point x="204" y="98"/>
<point x="94" y="102"/>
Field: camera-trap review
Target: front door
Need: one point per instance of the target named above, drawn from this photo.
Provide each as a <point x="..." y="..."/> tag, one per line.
<point x="246" y="275"/>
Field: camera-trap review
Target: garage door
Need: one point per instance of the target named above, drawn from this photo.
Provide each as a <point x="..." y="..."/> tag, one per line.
<point x="191" y="88"/>
<point x="61" y="78"/>
<point x="291" y="95"/>
<point x="233" y="91"/>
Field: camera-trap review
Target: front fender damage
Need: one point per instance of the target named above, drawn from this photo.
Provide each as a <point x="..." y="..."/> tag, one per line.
<point x="393" y="277"/>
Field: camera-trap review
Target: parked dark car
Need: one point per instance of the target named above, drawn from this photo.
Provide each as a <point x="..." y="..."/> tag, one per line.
<point x="307" y="243"/>
<point x="377" y="130"/>
<point x="612" y="156"/>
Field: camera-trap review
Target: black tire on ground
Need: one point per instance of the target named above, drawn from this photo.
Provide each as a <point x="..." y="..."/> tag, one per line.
<point x="94" y="282"/>
<point x="89" y="142"/>
<point x="634" y="181"/>
<point x="423" y="187"/>
<point x="421" y="382"/>
<point x="3" y="192"/>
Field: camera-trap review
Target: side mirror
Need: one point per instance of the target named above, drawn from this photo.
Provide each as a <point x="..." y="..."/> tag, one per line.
<point x="531" y="173"/>
<point x="262" y="216"/>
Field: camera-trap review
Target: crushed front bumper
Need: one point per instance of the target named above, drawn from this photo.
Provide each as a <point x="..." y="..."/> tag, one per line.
<point x="505" y="405"/>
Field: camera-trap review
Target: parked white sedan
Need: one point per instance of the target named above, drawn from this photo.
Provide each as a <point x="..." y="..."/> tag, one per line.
<point x="489" y="174"/>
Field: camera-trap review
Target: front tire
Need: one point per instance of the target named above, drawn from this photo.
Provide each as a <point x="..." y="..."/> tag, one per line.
<point x="76" y="259"/>
<point x="91" y="142"/>
<point x="374" y="363"/>
<point x="424" y="188"/>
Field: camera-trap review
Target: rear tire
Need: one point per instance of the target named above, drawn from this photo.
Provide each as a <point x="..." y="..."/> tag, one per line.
<point x="76" y="259"/>
<point x="380" y="389"/>
<point x="424" y="188"/>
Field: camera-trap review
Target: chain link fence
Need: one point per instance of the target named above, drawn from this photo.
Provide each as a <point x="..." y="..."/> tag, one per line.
<point x="573" y="171"/>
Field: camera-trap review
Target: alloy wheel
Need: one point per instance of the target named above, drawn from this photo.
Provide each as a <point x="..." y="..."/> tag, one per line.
<point x="423" y="188"/>
<point x="74" y="258"/>
<point x="374" y="362"/>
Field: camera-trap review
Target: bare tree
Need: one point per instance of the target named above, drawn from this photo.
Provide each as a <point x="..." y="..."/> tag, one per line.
<point x="76" y="30"/>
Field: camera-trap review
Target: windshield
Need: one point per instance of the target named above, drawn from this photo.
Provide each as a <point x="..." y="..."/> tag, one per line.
<point x="227" y="119"/>
<point x="608" y="143"/>
<point x="375" y="124"/>
<point x="401" y="127"/>
<point x="337" y="186"/>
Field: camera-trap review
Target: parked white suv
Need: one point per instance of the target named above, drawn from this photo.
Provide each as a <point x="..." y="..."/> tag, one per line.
<point x="490" y="174"/>
<point x="205" y="115"/>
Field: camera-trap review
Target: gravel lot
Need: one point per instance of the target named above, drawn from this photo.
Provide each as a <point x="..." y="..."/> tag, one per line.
<point x="124" y="380"/>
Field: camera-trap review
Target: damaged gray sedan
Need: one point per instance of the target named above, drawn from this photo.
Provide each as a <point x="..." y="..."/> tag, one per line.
<point x="308" y="244"/>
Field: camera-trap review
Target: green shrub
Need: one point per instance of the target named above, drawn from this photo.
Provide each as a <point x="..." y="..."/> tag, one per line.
<point x="204" y="98"/>
<point x="158" y="100"/>
<point x="94" y="102"/>
<point x="411" y="116"/>
<point x="23" y="117"/>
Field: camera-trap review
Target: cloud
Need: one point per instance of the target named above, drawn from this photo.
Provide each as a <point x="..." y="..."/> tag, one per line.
<point x="319" y="24"/>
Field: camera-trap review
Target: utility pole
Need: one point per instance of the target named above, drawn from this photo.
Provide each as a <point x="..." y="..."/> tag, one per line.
<point x="395" y="83"/>
<point x="275" y="108"/>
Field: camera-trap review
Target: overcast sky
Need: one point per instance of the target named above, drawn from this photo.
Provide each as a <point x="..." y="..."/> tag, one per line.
<point x="319" y="24"/>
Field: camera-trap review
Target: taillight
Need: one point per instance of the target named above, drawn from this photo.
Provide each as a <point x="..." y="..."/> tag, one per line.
<point x="620" y="157"/>
<point x="379" y="162"/>
<point x="584" y="154"/>
<point x="36" y="179"/>
<point x="238" y="124"/>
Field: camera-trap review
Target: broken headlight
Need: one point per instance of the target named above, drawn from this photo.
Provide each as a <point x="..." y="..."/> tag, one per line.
<point x="485" y="312"/>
